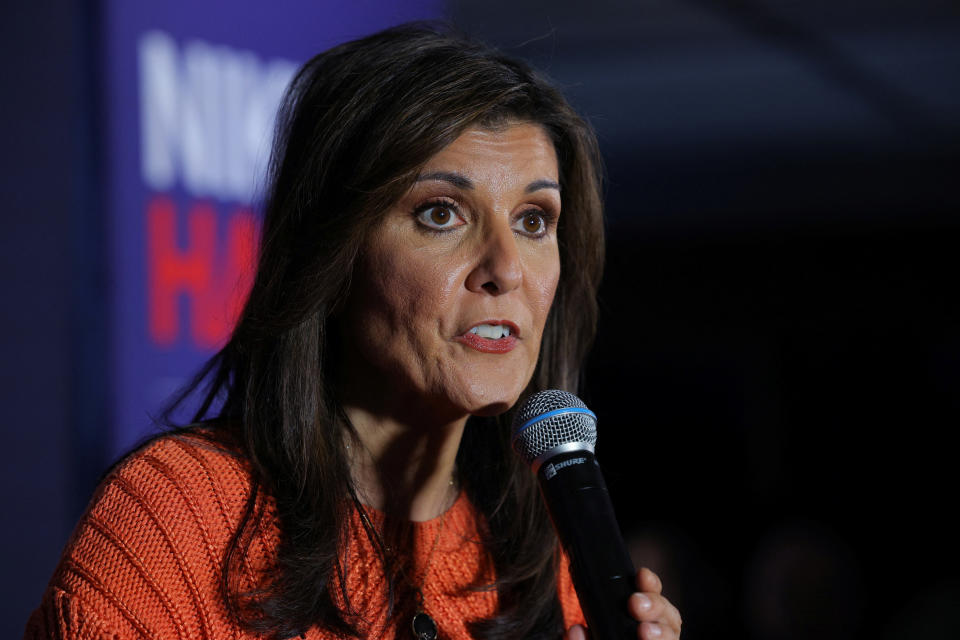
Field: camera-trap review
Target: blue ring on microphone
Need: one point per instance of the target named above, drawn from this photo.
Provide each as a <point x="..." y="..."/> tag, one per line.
<point x="555" y="412"/>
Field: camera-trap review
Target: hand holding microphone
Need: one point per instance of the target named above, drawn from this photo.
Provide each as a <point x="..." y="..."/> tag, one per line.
<point x="657" y="617"/>
<point x="555" y="433"/>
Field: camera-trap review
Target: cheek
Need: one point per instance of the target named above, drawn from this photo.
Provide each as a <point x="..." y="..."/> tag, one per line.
<point x="545" y="289"/>
<point x="410" y="290"/>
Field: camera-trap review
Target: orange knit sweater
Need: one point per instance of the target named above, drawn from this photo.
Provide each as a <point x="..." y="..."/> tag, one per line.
<point x="145" y="560"/>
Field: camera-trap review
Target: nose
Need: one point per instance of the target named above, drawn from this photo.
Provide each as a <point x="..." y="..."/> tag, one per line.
<point x="498" y="269"/>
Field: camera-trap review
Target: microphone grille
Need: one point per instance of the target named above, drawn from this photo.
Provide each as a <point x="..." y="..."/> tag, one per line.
<point x="550" y="419"/>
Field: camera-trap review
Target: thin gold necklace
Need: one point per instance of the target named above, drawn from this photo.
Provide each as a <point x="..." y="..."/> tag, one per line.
<point x="424" y="627"/>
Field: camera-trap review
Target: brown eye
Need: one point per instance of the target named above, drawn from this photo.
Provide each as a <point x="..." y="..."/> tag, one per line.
<point x="533" y="223"/>
<point x="439" y="216"/>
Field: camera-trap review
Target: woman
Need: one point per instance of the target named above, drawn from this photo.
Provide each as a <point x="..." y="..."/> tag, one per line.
<point x="431" y="250"/>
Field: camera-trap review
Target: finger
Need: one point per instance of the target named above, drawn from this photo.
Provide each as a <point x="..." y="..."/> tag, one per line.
<point x="576" y="632"/>
<point x="648" y="581"/>
<point x="654" y="608"/>
<point x="672" y="615"/>
<point x="654" y="631"/>
<point x="649" y="607"/>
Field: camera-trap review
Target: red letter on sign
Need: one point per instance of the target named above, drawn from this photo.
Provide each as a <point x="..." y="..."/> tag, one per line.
<point x="171" y="271"/>
<point x="216" y="282"/>
<point x="219" y="308"/>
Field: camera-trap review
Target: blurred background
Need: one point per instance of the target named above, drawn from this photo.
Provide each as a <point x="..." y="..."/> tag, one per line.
<point x="778" y="359"/>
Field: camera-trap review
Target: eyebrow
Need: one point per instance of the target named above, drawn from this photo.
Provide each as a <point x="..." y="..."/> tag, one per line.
<point x="536" y="185"/>
<point x="463" y="182"/>
<point x="456" y="179"/>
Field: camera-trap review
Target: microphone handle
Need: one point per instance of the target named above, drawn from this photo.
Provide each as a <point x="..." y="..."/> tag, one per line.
<point x="603" y="574"/>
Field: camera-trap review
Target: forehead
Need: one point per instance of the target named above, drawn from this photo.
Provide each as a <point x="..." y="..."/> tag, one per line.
<point x="513" y="153"/>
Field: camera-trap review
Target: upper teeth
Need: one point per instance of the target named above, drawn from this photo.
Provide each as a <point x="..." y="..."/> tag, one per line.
<point x="491" y="331"/>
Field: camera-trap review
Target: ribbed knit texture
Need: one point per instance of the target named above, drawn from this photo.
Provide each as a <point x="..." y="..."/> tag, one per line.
<point x="145" y="560"/>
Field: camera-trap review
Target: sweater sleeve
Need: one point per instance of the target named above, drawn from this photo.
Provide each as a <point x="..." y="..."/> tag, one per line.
<point x="572" y="614"/>
<point x="145" y="559"/>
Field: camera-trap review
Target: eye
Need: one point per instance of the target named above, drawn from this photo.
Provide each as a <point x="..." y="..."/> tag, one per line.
<point x="532" y="223"/>
<point x="440" y="216"/>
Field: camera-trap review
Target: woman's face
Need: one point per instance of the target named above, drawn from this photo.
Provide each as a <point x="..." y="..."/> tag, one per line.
<point x="454" y="286"/>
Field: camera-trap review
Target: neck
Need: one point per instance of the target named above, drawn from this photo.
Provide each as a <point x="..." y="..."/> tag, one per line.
<point x="401" y="469"/>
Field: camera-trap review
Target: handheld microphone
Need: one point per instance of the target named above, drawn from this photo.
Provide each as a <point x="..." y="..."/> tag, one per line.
<point x="555" y="433"/>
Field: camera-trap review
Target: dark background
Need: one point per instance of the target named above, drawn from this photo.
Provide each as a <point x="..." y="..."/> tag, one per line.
<point x="778" y="358"/>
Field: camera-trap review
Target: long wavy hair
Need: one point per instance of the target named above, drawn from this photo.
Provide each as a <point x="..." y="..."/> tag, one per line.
<point x="356" y="125"/>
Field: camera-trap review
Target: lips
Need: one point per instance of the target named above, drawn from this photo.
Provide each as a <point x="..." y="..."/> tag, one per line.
<point x="490" y="336"/>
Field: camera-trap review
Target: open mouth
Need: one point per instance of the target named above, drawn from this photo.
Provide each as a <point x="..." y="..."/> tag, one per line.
<point x="491" y="331"/>
<point x="491" y="336"/>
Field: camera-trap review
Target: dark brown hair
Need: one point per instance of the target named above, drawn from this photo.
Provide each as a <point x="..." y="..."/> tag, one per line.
<point x="356" y="125"/>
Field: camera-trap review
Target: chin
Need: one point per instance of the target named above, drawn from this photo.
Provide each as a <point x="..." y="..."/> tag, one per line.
<point x="493" y="409"/>
<point x="480" y="397"/>
<point x="494" y="403"/>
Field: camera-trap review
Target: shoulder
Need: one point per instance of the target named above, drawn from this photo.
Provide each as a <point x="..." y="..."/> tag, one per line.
<point x="185" y="486"/>
<point x="146" y="558"/>
<point x="180" y="471"/>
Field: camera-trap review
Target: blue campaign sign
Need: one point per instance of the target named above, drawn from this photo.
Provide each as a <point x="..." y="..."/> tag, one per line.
<point x="191" y="93"/>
